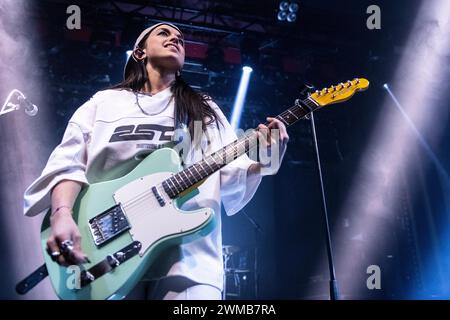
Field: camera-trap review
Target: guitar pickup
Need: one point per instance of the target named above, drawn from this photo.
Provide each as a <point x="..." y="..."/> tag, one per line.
<point x="108" y="225"/>
<point x="158" y="196"/>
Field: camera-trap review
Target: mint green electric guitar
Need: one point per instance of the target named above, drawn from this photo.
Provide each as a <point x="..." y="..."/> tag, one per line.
<point x="127" y="222"/>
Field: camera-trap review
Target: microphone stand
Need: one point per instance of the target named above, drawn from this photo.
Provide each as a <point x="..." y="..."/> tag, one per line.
<point x="255" y="265"/>
<point x="334" y="290"/>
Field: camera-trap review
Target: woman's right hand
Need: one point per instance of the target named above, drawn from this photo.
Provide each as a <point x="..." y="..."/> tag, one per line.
<point x="63" y="228"/>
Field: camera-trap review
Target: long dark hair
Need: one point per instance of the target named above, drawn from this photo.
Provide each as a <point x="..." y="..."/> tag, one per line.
<point x="190" y="106"/>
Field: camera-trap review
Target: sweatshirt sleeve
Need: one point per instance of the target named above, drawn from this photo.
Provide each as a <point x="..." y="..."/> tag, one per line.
<point x="236" y="189"/>
<point x="66" y="162"/>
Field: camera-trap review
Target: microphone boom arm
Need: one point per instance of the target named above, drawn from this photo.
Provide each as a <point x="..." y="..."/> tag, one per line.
<point x="8" y="106"/>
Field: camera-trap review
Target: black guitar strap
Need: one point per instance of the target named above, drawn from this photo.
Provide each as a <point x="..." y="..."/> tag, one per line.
<point x="87" y="276"/>
<point x="32" y="280"/>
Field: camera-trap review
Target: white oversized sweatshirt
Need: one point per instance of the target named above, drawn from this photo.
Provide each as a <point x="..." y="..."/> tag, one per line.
<point x="111" y="132"/>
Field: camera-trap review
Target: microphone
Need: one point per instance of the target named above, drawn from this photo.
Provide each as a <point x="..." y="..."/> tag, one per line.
<point x="30" y="109"/>
<point x="17" y="100"/>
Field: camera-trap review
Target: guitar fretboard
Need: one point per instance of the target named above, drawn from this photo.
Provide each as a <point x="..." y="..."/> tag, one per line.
<point x="195" y="173"/>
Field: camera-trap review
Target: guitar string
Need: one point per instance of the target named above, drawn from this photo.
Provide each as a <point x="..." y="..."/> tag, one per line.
<point x="149" y="193"/>
<point x="145" y="196"/>
<point x="198" y="176"/>
<point x="139" y="200"/>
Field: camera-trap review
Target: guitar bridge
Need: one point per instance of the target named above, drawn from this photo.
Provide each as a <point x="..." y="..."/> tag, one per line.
<point x="108" y="225"/>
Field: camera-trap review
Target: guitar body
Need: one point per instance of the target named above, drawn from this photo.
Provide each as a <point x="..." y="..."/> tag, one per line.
<point x="153" y="225"/>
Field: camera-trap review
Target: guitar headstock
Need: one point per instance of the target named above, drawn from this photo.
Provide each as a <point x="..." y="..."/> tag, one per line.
<point x="339" y="93"/>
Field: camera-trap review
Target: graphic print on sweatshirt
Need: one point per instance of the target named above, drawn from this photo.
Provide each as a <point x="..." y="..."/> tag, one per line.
<point x="153" y="132"/>
<point x="149" y="137"/>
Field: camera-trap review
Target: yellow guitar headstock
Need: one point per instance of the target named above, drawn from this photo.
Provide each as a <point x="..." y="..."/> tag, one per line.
<point x="339" y="93"/>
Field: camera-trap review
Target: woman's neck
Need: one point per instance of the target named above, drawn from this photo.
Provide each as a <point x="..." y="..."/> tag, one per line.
<point x="158" y="80"/>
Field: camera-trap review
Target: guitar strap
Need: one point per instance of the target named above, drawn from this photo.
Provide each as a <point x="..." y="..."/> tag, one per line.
<point x="87" y="276"/>
<point x="32" y="280"/>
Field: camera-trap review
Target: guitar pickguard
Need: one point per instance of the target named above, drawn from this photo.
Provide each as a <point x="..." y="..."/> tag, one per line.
<point x="151" y="219"/>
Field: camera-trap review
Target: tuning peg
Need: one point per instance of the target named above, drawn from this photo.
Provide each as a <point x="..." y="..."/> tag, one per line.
<point x="318" y="92"/>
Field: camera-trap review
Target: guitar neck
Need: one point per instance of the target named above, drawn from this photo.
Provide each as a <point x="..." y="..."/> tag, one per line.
<point x="183" y="180"/>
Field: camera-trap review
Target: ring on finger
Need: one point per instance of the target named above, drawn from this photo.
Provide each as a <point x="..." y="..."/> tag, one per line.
<point x="54" y="255"/>
<point x="66" y="246"/>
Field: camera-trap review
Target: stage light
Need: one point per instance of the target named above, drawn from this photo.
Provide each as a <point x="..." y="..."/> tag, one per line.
<point x="291" y="17"/>
<point x="240" y="97"/>
<point x="282" y="15"/>
<point x="293" y="7"/>
<point x="284" y="6"/>
<point x="426" y="146"/>
<point x="287" y="11"/>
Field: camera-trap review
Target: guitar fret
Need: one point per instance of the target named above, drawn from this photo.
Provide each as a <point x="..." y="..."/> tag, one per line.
<point x="204" y="170"/>
<point x="168" y="189"/>
<point x="286" y="117"/>
<point x="299" y="112"/>
<point x="220" y="164"/>
<point x="214" y="161"/>
<point x="201" y="176"/>
<point x="228" y="155"/>
<point x="176" y="175"/>
<point x="192" y="174"/>
<point x="171" y="180"/>
<point x="184" y="171"/>
<point x="212" y="170"/>
<point x="293" y="114"/>
<point x="281" y="118"/>
<point x="311" y="102"/>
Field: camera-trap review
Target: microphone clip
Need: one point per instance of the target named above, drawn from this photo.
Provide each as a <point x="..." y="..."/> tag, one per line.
<point x="15" y="101"/>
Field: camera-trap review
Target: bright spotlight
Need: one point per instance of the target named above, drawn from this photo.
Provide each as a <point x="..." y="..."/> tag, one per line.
<point x="385" y="86"/>
<point x="240" y="97"/>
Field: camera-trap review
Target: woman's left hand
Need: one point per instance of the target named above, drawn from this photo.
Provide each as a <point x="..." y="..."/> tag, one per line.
<point x="274" y="135"/>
